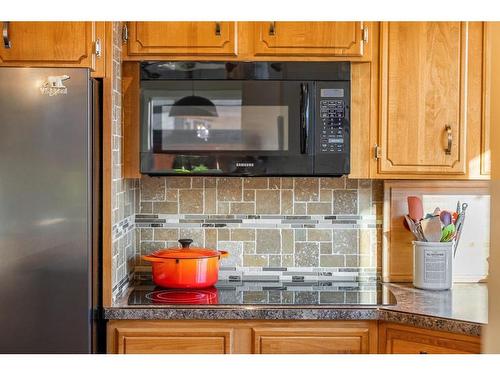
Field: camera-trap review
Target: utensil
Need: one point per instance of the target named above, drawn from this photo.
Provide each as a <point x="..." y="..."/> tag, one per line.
<point x="415" y="208"/>
<point x="445" y="217"/>
<point x="459" y="225"/>
<point x="431" y="228"/>
<point x="414" y="228"/>
<point x="185" y="267"/>
<point x="447" y="233"/>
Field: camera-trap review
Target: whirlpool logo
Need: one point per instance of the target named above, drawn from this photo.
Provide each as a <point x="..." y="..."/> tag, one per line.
<point x="244" y="164"/>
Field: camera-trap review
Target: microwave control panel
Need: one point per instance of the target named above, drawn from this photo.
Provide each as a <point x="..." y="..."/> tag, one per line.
<point x="331" y="123"/>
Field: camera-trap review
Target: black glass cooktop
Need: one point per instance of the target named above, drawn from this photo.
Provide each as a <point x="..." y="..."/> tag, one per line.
<point x="317" y="293"/>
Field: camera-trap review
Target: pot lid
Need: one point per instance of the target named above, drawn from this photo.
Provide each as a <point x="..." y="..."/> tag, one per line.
<point x="185" y="252"/>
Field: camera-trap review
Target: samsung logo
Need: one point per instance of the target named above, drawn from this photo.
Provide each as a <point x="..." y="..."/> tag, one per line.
<point x="244" y="164"/>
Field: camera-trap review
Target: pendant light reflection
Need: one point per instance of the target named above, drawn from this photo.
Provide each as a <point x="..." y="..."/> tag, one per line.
<point x="193" y="106"/>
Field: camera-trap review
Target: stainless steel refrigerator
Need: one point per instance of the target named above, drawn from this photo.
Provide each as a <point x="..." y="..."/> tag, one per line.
<point x="49" y="211"/>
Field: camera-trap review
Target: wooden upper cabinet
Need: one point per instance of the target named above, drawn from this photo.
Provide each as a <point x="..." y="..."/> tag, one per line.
<point x="424" y="87"/>
<point x="181" y="38"/>
<point x="63" y="44"/>
<point x="309" y="38"/>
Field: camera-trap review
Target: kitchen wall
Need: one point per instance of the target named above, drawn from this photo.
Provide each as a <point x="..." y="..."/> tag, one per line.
<point x="294" y="223"/>
<point x="125" y="192"/>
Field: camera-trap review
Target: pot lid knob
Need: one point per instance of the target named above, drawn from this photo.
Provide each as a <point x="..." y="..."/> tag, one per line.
<point x="185" y="242"/>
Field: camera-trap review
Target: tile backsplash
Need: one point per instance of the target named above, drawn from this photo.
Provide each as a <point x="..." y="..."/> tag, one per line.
<point x="293" y="223"/>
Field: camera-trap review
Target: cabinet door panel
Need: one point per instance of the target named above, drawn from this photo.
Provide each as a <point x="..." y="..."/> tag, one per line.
<point x="49" y="44"/>
<point x="309" y="38"/>
<point x="423" y="78"/>
<point x="181" y="38"/>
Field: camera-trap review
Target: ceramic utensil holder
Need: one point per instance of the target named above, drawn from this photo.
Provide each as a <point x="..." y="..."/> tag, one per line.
<point x="432" y="265"/>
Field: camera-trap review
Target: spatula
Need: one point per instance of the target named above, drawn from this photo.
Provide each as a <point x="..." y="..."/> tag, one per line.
<point x="415" y="208"/>
<point x="432" y="229"/>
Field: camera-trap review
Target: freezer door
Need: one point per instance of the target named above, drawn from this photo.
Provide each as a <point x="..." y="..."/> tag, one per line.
<point x="45" y="212"/>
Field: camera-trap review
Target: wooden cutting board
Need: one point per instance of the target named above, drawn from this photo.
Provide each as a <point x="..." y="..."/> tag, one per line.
<point x="397" y="249"/>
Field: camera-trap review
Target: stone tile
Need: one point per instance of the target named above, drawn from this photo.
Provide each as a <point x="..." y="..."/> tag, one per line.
<point x="325" y="248"/>
<point x="332" y="261"/>
<point x="274" y="183"/>
<point x="211" y="238"/>
<point x="352" y="260"/>
<point x="172" y="195"/>
<point x="332" y="297"/>
<point x="306" y="189"/>
<point x="300" y="234"/>
<point x="255" y="260"/>
<point x="351" y="183"/>
<point x="286" y="202"/>
<point x="223" y="234"/>
<point x="249" y="247"/>
<point x="287" y="241"/>
<point x="299" y="208"/>
<point x="287" y="260"/>
<point x="345" y="241"/>
<point x="246" y="208"/>
<point x="249" y="195"/>
<point x="325" y="195"/>
<point x="268" y="241"/>
<point x="178" y="182"/>
<point x="210" y="182"/>
<point x="365" y="240"/>
<point x="152" y="188"/>
<point x="274" y="260"/>
<point x="166" y="234"/>
<point x="332" y="182"/>
<point x="319" y="208"/>
<point x="267" y="201"/>
<point x="378" y="210"/>
<point x="235" y="258"/>
<point x="257" y="296"/>
<point x="210" y="198"/>
<point x="197" y="235"/>
<point x="146" y="208"/>
<point x="165" y="207"/>
<point x="241" y="234"/>
<point x="306" y="254"/>
<point x="365" y="200"/>
<point x="306" y="298"/>
<point x="323" y="235"/>
<point x="287" y="183"/>
<point x="255" y="183"/>
<point x="229" y="189"/>
<point x="149" y="247"/>
<point x="223" y="208"/>
<point x="191" y="201"/>
<point x="197" y="182"/>
<point x="365" y="184"/>
<point x="146" y="234"/>
<point x="345" y="202"/>
<point x="377" y="190"/>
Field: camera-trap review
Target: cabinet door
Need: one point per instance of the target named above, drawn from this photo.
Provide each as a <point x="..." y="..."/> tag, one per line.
<point x="159" y="340"/>
<point x="61" y="44"/>
<point x="423" y="97"/>
<point x="326" y="338"/>
<point x="181" y="38"/>
<point x="399" y="339"/>
<point x="309" y="38"/>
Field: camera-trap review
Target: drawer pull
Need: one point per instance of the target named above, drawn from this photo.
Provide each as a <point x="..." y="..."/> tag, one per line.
<point x="217" y="29"/>
<point x="272" y="29"/>
<point x="5" y="33"/>
<point x="447" y="150"/>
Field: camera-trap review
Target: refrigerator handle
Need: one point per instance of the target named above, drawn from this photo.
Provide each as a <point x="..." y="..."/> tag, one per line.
<point x="5" y="33"/>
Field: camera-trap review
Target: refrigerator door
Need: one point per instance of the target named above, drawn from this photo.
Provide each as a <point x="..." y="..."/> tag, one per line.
<point x="45" y="213"/>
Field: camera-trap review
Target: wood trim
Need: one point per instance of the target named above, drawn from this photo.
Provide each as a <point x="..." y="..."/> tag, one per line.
<point x="107" y="123"/>
<point x="99" y="63"/>
<point x="442" y="342"/>
<point x="486" y="109"/>
<point x="397" y="258"/>
<point x="131" y="119"/>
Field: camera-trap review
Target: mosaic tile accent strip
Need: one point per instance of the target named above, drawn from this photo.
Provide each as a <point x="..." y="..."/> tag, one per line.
<point x="265" y="222"/>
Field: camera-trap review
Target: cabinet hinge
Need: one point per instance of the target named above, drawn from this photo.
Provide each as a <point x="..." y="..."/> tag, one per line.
<point x="377" y="152"/>
<point x="125" y="33"/>
<point x="97" y="48"/>
<point x="365" y="34"/>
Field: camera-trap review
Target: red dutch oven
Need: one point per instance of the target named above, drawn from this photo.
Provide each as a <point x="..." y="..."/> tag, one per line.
<point x="186" y="267"/>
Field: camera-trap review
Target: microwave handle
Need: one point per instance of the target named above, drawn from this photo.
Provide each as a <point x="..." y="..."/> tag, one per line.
<point x="304" y="116"/>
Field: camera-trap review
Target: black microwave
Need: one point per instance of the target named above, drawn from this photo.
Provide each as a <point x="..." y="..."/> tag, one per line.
<point x="245" y="118"/>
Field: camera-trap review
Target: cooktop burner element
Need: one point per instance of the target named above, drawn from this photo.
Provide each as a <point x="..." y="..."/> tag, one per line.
<point x="183" y="296"/>
<point x="318" y="293"/>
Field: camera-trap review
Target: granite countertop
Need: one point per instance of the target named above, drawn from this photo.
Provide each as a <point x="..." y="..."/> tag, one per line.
<point x="460" y="310"/>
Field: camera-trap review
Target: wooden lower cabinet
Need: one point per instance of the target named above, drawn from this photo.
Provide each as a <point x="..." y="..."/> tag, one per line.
<point x="242" y="337"/>
<point x="401" y="339"/>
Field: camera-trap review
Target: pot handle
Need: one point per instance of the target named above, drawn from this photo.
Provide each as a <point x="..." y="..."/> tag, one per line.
<point x="152" y="259"/>
<point x="223" y="254"/>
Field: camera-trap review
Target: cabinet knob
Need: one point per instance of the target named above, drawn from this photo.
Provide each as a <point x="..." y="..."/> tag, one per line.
<point x="447" y="150"/>
<point x="272" y="28"/>
<point x="423" y="352"/>
<point x="217" y="29"/>
<point x="5" y="33"/>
